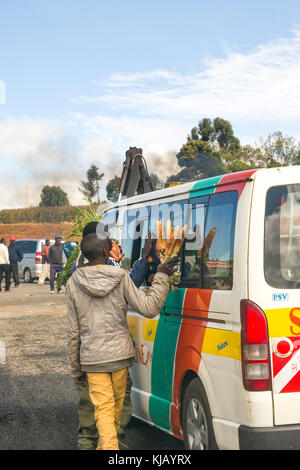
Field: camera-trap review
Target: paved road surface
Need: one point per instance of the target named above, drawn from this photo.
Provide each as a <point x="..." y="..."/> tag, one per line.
<point x="38" y="400"/>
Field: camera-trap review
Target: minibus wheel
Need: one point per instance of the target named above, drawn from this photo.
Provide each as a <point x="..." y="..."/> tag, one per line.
<point x="196" y="419"/>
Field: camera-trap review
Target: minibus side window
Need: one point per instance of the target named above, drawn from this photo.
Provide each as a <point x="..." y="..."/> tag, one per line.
<point x="175" y="211"/>
<point x="134" y="232"/>
<point x="111" y="220"/>
<point x="191" y="265"/>
<point x="218" y="247"/>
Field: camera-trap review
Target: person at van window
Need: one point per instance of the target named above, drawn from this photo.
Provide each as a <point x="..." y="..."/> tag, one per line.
<point x="103" y="348"/>
<point x="4" y="264"/>
<point x="15" y="257"/>
<point x="88" y="436"/>
<point x="45" y="263"/>
<point x="55" y="258"/>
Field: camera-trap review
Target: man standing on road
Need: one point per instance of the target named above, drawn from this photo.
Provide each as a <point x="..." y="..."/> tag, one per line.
<point x="4" y="264"/>
<point x="56" y="253"/>
<point x="15" y="256"/>
<point x="45" y="263"/>
<point x="108" y="346"/>
<point x="87" y="432"/>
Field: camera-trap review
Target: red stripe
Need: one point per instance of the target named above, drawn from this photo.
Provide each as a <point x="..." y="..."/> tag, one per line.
<point x="280" y="362"/>
<point x="235" y="180"/>
<point x="189" y="346"/>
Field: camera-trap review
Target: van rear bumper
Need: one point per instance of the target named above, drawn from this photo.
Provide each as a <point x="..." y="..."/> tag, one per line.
<point x="275" y="438"/>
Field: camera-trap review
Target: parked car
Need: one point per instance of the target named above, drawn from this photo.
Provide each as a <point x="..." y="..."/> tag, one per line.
<point x="30" y="267"/>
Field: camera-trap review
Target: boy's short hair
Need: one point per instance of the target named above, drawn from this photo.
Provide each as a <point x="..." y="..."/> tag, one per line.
<point x="94" y="227"/>
<point x="92" y="246"/>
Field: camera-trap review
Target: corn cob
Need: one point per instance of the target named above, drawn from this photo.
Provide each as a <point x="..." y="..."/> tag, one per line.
<point x="170" y="246"/>
<point x="173" y="239"/>
<point x="207" y="244"/>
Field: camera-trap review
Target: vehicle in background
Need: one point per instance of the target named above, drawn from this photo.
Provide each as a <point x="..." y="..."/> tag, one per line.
<point x="30" y="268"/>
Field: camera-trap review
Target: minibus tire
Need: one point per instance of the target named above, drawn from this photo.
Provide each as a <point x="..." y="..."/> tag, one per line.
<point x="201" y="435"/>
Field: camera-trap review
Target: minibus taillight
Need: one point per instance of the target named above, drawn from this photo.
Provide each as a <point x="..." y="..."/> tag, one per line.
<point x="38" y="257"/>
<point x="255" y="348"/>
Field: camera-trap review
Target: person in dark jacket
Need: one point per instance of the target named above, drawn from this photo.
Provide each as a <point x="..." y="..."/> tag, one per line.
<point x="55" y="258"/>
<point x="15" y="256"/>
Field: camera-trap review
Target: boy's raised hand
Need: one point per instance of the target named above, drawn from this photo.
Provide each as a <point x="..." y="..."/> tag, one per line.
<point x="168" y="267"/>
<point x="147" y="250"/>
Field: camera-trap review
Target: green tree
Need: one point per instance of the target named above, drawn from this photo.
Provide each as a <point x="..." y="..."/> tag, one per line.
<point x="199" y="159"/>
<point x="280" y="150"/>
<point x="218" y="133"/>
<point x="112" y="189"/>
<point x="91" y="187"/>
<point x="224" y="135"/>
<point x="53" y="196"/>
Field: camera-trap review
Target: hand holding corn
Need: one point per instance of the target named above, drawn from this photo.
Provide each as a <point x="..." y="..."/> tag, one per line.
<point x="169" y="243"/>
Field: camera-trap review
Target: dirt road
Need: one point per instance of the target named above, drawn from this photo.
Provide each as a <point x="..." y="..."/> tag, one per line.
<point x="38" y="401"/>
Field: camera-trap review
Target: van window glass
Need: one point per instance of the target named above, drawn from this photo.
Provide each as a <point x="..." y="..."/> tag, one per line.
<point x="68" y="248"/>
<point x="111" y="220"/>
<point x="192" y="262"/>
<point x="282" y="237"/>
<point x="218" y="246"/>
<point x="29" y="247"/>
<point x="134" y="231"/>
<point x="177" y="212"/>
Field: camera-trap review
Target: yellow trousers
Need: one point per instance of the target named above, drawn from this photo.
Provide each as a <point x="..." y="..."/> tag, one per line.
<point x="107" y="392"/>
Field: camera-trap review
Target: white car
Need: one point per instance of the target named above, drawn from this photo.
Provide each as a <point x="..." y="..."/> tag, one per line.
<point x="30" y="267"/>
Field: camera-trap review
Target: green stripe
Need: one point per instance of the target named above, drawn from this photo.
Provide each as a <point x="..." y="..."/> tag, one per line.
<point x="163" y="362"/>
<point x="206" y="186"/>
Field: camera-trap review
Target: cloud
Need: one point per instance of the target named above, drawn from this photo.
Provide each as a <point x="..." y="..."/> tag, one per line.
<point x="154" y="109"/>
<point x="256" y="87"/>
<point x="33" y="153"/>
<point x="2" y="92"/>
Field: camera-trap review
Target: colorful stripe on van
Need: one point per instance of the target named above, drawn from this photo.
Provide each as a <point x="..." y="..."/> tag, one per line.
<point x="181" y="338"/>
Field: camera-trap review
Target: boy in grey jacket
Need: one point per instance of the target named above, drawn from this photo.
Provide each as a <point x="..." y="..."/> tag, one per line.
<point x="100" y="343"/>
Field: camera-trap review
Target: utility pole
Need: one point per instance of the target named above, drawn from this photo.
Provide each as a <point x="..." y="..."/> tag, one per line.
<point x="27" y="196"/>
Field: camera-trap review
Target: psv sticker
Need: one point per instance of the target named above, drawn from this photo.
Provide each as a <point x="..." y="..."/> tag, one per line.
<point x="282" y="297"/>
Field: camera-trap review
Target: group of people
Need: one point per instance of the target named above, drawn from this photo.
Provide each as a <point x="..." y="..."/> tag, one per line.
<point x="9" y="257"/>
<point x="101" y="348"/>
<point x="53" y="260"/>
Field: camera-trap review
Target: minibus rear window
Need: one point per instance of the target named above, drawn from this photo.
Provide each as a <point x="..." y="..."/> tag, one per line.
<point x="282" y="237"/>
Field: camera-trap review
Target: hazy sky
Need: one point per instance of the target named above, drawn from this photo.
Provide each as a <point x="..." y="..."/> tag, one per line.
<point x="80" y="82"/>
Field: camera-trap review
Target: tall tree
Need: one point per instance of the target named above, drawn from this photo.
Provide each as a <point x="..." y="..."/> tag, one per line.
<point x="112" y="189"/>
<point x="280" y="150"/>
<point x="91" y="187"/>
<point x="199" y="160"/>
<point x="52" y="196"/>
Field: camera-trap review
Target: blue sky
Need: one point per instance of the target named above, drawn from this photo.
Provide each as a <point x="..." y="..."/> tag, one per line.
<point x="85" y="80"/>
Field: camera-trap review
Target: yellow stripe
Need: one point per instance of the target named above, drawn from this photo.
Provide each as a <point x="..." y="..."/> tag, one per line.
<point x="149" y="328"/>
<point x="222" y="343"/>
<point x="133" y="325"/>
<point x="283" y="322"/>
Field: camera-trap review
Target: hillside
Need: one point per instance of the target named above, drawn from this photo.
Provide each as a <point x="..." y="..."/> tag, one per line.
<point x="42" y="230"/>
<point x="38" y="215"/>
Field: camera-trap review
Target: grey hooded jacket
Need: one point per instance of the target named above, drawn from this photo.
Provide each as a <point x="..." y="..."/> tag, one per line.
<point x="98" y="298"/>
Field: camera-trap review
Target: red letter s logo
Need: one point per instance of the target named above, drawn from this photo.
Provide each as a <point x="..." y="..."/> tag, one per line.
<point x="295" y="320"/>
